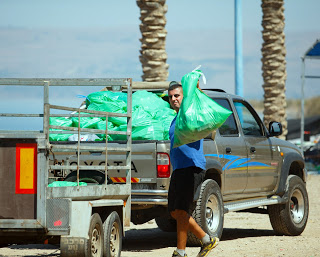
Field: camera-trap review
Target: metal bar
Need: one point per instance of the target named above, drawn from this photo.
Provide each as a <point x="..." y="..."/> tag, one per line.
<point x="112" y="114"/>
<point x="150" y="85"/>
<point x="70" y="115"/>
<point x="64" y="81"/>
<point x="302" y="105"/>
<point x="46" y="111"/>
<point x="87" y="130"/>
<point x="21" y="134"/>
<point x="150" y="192"/>
<point x="83" y="82"/>
<point x="312" y="77"/>
<point x="78" y="150"/>
<point x="149" y="201"/>
<point x="89" y="148"/>
<point x="20" y="115"/>
<point x="87" y="167"/>
<point x="42" y="182"/>
<point x="106" y="154"/>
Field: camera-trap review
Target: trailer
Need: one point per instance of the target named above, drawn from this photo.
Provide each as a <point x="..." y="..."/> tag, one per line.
<point x="88" y="219"/>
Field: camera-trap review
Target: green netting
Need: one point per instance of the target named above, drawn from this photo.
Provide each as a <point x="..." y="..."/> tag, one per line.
<point x="198" y="115"/>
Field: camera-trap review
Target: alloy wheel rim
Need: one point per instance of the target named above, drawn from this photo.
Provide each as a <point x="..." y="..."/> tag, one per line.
<point x="212" y="213"/>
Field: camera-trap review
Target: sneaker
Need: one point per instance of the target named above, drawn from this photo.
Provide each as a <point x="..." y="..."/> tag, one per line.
<point x="176" y="254"/>
<point x="206" y="248"/>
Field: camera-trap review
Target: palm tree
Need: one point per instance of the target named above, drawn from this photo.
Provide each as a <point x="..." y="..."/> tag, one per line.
<point x="274" y="63"/>
<point x="153" y="42"/>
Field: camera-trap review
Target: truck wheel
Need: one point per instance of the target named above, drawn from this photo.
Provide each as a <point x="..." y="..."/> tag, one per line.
<point x="112" y="236"/>
<point x="166" y="224"/>
<point x="88" y="176"/>
<point x="208" y="211"/>
<point x="95" y="241"/>
<point x="291" y="218"/>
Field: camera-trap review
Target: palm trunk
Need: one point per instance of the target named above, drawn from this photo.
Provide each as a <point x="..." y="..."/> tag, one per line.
<point x="274" y="63"/>
<point x="153" y="53"/>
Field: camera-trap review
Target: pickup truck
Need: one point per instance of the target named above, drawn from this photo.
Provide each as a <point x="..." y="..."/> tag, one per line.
<point x="248" y="168"/>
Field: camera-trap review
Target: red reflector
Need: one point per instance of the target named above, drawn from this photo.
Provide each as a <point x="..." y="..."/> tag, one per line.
<point x="163" y="165"/>
<point x="163" y="171"/>
<point x="57" y="223"/>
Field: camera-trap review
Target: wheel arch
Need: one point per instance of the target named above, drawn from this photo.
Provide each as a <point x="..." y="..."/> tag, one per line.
<point x="214" y="171"/>
<point x="293" y="164"/>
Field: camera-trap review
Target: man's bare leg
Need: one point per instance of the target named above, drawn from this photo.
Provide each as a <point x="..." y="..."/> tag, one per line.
<point x="185" y="223"/>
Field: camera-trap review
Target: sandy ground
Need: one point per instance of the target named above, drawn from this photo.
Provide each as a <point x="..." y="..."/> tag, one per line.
<point x="245" y="234"/>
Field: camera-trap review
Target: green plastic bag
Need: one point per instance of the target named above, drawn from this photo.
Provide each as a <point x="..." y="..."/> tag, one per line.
<point x="150" y="101"/>
<point x="165" y="116"/>
<point x="59" y="121"/>
<point x="108" y="101"/>
<point x="198" y="115"/>
<point x="66" y="184"/>
<point x="102" y="125"/>
<point x="144" y="127"/>
<point x="104" y="96"/>
<point x="86" y="122"/>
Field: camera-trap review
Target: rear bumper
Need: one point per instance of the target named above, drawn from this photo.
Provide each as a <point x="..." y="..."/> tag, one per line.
<point x="152" y="197"/>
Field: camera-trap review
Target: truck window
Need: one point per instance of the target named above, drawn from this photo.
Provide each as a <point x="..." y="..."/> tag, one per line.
<point x="249" y="123"/>
<point x="229" y="128"/>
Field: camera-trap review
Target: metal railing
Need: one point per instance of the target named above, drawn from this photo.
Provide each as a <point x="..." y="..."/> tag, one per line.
<point x="116" y="84"/>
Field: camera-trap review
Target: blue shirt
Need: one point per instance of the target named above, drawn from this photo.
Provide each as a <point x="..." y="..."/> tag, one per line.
<point x="187" y="155"/>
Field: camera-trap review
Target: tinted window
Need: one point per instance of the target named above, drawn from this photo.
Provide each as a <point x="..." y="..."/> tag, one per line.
<point x="249" y="123"/>
<point x="229" y="128"/>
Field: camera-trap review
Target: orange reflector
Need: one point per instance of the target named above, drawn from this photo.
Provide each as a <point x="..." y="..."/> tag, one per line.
<point x="26" y="168"/>
<point x="123" y="180"/>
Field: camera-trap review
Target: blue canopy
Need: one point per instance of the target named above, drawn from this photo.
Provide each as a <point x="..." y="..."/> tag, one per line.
<point x="313" y="51"/>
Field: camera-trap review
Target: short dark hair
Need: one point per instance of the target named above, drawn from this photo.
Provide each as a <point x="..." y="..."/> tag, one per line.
<point x="173" y="85"/>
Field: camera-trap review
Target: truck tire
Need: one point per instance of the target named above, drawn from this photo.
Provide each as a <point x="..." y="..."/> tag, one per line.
<point x="95" y="242"/>
<point x="291" y="218"/>
<point x="166" y="224"/>
<point x="208" y="211"/>
<point x="88" y="176"/>
<point x="112" y="236"/>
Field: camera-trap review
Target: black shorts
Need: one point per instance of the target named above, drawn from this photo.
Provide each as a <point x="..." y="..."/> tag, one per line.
<point x="183" y="184"/>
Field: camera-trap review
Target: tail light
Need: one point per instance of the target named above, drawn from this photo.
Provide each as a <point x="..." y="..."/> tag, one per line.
<point x="163" y="165"/>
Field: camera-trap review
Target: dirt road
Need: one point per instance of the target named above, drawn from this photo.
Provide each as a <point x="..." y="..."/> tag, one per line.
<point x="245" y="234"/>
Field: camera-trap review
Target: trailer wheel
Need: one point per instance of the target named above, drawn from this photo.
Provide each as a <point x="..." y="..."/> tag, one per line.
<point x="208" y="211"/>
<point x="95" y="242"/>
<point x="112" y="235"/>
<point x="291" y="218"/>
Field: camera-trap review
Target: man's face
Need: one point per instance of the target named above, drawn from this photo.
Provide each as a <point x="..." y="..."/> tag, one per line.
<point x="175" y="98"/>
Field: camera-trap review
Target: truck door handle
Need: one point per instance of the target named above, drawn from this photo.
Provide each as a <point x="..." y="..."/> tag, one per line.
<point x="228" y="150"/>
<point x="252" y="149"/>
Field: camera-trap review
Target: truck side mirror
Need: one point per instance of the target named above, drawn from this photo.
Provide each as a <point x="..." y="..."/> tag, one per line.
<point x="275" y="128"/>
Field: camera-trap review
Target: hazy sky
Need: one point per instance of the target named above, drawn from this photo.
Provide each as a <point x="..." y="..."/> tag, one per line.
<point x="100" y="38"/>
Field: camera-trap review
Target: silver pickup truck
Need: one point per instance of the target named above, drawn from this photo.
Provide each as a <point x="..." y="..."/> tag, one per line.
<point x="248" y="168"/>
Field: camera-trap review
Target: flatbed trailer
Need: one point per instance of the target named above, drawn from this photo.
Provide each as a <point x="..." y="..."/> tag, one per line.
<point x="90" y="219"/>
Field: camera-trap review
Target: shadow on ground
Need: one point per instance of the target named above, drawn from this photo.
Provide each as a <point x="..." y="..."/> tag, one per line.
<point x="150" y="239"/>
